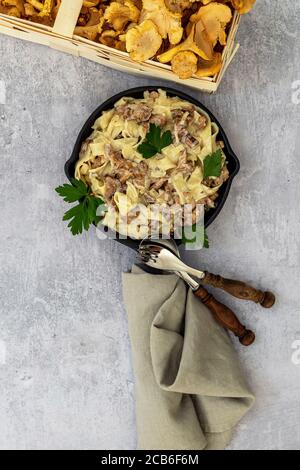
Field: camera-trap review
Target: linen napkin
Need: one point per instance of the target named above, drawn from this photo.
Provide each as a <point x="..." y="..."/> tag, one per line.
<point x="190" y="392"/>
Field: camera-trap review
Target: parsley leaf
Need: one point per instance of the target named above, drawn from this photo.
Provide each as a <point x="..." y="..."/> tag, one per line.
<point x="212" y="164"/>
<point x="203" y="234"/>
<point x="84" y="213"/>
<point x="206" y="240"/>
<point x="147" y="150"/>
<point x="154" y="141"/>
<point x="72" y="192"/>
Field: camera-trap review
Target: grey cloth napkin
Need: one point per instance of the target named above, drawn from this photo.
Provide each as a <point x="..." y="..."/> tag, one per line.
<point x="190" y="391"/>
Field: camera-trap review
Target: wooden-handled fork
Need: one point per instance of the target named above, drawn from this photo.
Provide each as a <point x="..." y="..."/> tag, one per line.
<point x="222" y="314"/>
<point x="225" y="316"/>
<point x="166" y="260"/>
<point x="239" y="289"/>
<point x="158" y="257"/>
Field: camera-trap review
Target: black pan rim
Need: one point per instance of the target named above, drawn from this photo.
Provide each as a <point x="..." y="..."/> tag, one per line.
<point x="86" y="130"/>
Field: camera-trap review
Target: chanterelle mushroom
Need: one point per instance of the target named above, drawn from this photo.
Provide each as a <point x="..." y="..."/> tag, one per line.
<point x="29" y="10"/>
<point x="187" y="45"/>
<point x="47" y="8"/>
<point x="118" y="15"/>
<point x="143" y="41"/>
<point x="211" y="67"/>
<point x="91" y="3"/>
<point x="94" y="18"/>
<point x="18" y="4"/>
<point x="167" y="22"/>
<point x="36" y="4"/>
<point x="215" y="17"/>
<point x="202" y="40"/>
<point x="184" y="64"/>
<point x="91" y="30"/>
<point x="178" y="6"/>
<point x="243" y="6"/>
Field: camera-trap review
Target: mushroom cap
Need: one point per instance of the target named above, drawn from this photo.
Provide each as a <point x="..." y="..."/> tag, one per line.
<point x="167" y="22"/>
<point x="143" y="41"/>
<point x="187" y="45"/>
<point x="215" y="17"/>
<point x="184" y="64"/>
<point x="209" y="68"/>
<point x="118" y="14"/>
<point x="243" y="6"/>
<point x="18" y="6"/>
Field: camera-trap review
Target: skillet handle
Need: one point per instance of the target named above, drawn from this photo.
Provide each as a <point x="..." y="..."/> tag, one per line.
<point x="225" y="316"/>
<point x="240" y="290"/>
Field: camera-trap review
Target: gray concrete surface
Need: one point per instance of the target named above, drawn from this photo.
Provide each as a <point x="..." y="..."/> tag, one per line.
<point x="66" y="380"/>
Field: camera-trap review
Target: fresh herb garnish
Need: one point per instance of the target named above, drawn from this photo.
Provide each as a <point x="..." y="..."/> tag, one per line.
<point x="84" y="213"/>
<point x="201" y="232"/>
<point x="155" y="141"/>
<point x="212" y="164"/>
<point x="206" y="240"/>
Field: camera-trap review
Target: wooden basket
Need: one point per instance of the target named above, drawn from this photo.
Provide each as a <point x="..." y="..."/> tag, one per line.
<point x="61" y="37"/>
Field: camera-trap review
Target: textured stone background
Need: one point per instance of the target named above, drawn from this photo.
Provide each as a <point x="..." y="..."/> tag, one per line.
<point x="65" y="372"/>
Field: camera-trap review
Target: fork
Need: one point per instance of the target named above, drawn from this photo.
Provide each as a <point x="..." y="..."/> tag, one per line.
<point x="223" y="314"/>
<point x="161" y="258"/>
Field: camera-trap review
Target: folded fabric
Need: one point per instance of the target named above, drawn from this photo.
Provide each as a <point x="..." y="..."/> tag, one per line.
<point x="190" y="392"/>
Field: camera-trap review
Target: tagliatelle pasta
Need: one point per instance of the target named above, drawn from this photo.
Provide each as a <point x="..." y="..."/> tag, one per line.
<point x="112" y="165"/>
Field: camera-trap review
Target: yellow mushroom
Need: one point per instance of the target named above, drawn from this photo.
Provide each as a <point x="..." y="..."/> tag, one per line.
<point x="91" y="3"/>
<point x="18" y="7"/>
<point x="215" y="17"/>
<point x="202" y="40"/>
<point x="143" y="41"/>
<point x="36" y="4"/>
<point x="56" y="8"/>
<point x="211" y="67"/>
<point x="29" y="10"/>
<point x="90" y="31"/>
<point x="184" y="64"/>
<point x="14" y="12"/>
<point x="47" y="8"/>
<point x="243" y="6"/>
<point x="108" y="37"/>
<point x="167" y="22"/>
<point x="178" y="6"/>
<point x="187" y="45"/>
<point x="206" y="2"/>
<point x="95" y="16"/>
<point x="118" y="15"/>
<point x="43" y="12"/>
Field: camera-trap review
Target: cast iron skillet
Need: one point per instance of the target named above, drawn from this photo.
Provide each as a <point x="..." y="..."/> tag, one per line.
<point x="233" y="162"/>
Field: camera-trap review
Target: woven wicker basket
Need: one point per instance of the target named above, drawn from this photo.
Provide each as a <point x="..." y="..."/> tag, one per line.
<point x="61" y="37"/>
